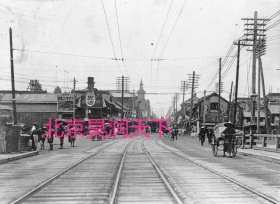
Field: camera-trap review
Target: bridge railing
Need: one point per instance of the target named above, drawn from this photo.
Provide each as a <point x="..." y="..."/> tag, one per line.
<point x="268" y="142"/>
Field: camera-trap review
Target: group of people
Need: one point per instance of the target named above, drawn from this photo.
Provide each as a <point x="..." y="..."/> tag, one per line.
<point x="174" y="133"/>
<point x="42" y="136"/>
<point x="226" y="136"/>
<point x="205" y="132"/>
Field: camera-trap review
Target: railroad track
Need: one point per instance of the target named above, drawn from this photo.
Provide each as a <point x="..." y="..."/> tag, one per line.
<point x="131" y="175"/>
<point x="215" y="180"/>
<point x="131" y="172"/>
<point x="73" y="184"/>
<point x="140" y="180"/>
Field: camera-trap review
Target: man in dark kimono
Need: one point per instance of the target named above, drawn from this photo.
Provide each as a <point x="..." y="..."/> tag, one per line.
<point x="202" y="133"/>
<point x="228" y="134"/>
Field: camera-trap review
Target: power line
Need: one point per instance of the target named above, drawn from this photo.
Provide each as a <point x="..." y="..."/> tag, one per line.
<point x="112" y="58"/>
<point x="110" y="35"/>
<point x="173" y="28"/>
<point x="169" y="36"/>
<point x="223" y="64"/>
<point x="120" y="37"/>
<point x="157" y="43"/>
<point x="61" y="53"/>
<point x="274" y="15"/>
<point x="274" y="25"/>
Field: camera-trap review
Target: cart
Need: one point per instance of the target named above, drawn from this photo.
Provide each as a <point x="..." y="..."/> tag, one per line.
<point x="230" y="142"/>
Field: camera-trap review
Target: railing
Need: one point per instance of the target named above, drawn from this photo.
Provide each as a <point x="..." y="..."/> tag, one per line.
<point x="261" y="141"/>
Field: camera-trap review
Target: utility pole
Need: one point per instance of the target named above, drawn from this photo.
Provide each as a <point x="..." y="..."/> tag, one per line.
<point x="253" y="96"/>
<point x="254" y="32"/>
<point x="122" y="94"/>
<point x="219" y="108"/>
<point x="176" y="102"/>
<point x="193" y="83"/>
<point x="74" y="98"/>
<point x="183" y="88"/>
<point x="259" y="97"/>
<point x="264" y="98"/>
<point x="133" y="103"/>
<point x="193" y="77"/>
<point x="260" y="51"/>
<point x="229" y="106"/>
<point x="204" y="108"/>
<point x="236" y="81"/>
<point x="13" y="76"/>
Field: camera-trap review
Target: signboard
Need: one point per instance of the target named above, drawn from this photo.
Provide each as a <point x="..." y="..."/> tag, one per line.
<point x="90" y="98"/>
<point x="65" y="102"/>
<point x="65" y="97"/>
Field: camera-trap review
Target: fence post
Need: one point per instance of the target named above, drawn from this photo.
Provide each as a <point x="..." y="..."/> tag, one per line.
<point x="264" y="141"/>
<point x="251" y="141"/>
<point x="277" y="143"/>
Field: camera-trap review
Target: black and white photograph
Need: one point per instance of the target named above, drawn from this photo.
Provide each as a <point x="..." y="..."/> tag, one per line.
<point x="140" y="101"/>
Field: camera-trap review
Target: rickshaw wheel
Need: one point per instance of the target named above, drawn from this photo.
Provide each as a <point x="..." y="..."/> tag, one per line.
<point x="214" y="149"/>
<point x="234" y="151"/>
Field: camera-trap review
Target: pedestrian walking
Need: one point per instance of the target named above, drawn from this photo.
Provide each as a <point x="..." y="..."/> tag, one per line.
<point x="42" y="137"/>
<point x="71" y="139"/>
<point x="176" y="132"/>
<point x="202" y="133"/>
<point x="172" y="135"/>
<point x="50" y="137"/>
<point x="33" y="131"/>
<point x="61" y="133"/>
<point x="210" y="135"/>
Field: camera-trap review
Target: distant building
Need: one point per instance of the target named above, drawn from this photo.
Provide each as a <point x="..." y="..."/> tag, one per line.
<point x="32" y="107"/>
<point x="142" y="105"/>
<point x="212" y="116"/>
<point x="273" y="100"/>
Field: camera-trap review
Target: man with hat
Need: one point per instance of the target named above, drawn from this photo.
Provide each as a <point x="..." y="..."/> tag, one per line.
<point x="202" y="134"/>
<point x="228" y="133"/>
<point x="33" y="131"/>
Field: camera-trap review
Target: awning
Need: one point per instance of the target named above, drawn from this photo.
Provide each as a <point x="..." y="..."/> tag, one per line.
<point x="274" y="109"/>
<point x="120" y="106"/>
<point x="5" y="108"/>
<point x="247" y="114"/>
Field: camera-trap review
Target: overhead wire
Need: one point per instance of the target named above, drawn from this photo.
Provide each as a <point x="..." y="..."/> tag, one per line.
<point x="109" y="31"/>
<point x="214" y="77"/>
<point x="274" y="15"/>
<point x="159" y="37"/>
<point x="170" y="34"/>
<point x="121" y="48"/>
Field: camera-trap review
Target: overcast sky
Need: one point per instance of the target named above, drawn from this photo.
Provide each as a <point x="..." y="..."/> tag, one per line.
<point x="57" y="40"/>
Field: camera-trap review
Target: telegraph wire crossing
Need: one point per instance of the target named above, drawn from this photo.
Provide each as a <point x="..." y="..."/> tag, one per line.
<point x="115" y="58"/>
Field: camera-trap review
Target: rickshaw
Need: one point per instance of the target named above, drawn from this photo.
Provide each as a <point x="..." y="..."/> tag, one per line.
<point x="230" y="142"/>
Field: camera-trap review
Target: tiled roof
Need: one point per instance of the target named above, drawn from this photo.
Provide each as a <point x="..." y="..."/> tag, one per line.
<point x="3" y="107"/>
<point x="274" y="109"/>
<point x="247" y="114"/>
<point x="30" y="98"/>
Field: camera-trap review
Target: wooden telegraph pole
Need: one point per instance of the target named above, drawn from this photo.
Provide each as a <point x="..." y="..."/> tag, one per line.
<point x="13" y="77"/>
<point x="253" y="96"/>
<point x="264" y="97"/>
<point x="74" y="98"/>
<point x="193" y="77"/>
<point x="204" y="108"/>
<point x="219" y="107"/>
<point x="255" y="28"/>
<point x="236" y="82"/>
<point x="229" y="106"/>
<point x="122" y="94"/>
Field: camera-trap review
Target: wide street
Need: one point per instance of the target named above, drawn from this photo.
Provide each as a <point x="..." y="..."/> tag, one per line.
<point x="138" y="170"/>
